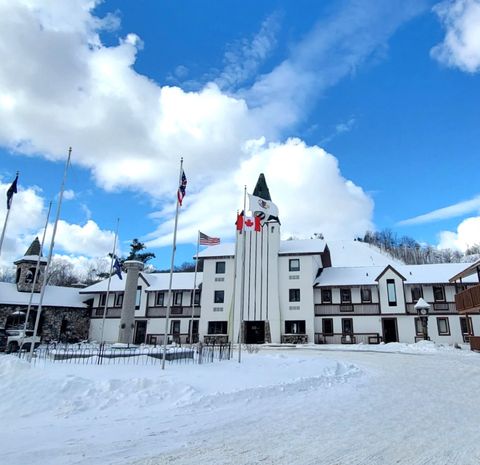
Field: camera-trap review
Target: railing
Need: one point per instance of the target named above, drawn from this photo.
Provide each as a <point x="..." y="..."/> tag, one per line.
<point x="341" y="309"/>
<point x="294" y="339"/>
<point x="468" y="300"/>
<point x="177" y="338"/>
<point x="444" y="307"/>
<point x="106" y="354"/>
<point x="341" y="338"/>
<point x="215" y="339"/>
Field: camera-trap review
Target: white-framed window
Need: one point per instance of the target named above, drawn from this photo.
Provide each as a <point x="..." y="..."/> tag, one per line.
<point x="294" y="264"/>
<point x="220" y="267"/>
<point x="391" y="293"/>
<point x="443" y="326"/>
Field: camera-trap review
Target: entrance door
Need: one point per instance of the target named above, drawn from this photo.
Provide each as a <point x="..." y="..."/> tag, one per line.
<point x="390" y="333"/>
<point x="254" y="332"/>
<point x="140" y="332"/>
<point x="194" y="333"/>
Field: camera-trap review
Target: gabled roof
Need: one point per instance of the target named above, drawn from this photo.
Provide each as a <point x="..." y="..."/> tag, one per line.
<point x="389" y="268"/>
<point x="413" y="274"/>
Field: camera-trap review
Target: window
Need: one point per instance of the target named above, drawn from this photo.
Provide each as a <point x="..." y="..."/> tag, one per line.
<point x="417" y="293"/>
<point x="175" y="327"/>
<point x="345" y="296"/>
<point x="366" y="294"/>
<point x="218" y="297"/>
<point x="326" y="296"/>
<point x="220" y="267"/>
<point x="347" y="326"/>
<point x="160" y="302"/>
<point x="443" y="327"/>
<point x="177" y="298"/>
<point x="119" y="299"/>
<point x="103" y="299"/>
<point x="418" y="327"/>
<point x="295" y="327"/>
<point x="196" y="297"/>
<point x="294" y="295"/>
<point x="294" y="264"/>
<point x="327" y="326"/>
<point x="138" y="297"/>
<point x="217" y="327"/>
<point x="438" y="293"/>
<point x="463" y="324"/>
<point x="391" y="293"/>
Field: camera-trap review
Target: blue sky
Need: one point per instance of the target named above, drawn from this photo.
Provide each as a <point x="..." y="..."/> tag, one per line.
<point x="362" y="115"/>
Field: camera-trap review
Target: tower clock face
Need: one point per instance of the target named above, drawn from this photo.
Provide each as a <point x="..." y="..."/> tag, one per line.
<point x="423" y="311"/>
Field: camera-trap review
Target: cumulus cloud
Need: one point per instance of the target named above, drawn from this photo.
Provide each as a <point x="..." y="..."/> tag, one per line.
<point x="130" y="131"/>
<point x="461" y="45"/>
<point x="28" y="215"/>
<point x="466" y="235"/>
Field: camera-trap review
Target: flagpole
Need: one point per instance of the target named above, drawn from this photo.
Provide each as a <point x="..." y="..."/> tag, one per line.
<point x="37" y="273"/>
<point x="242" y="297"/>
<point x="6" y="220"/>
<point x="109" y="280"/>
<point x="50" y="253"/>
<point x="169" y="295"/>
<point x="232" y="331"/>
<point x="194" y="288"/>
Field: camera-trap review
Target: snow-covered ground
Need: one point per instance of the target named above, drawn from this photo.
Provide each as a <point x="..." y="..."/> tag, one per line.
<point x="415" y="405"/>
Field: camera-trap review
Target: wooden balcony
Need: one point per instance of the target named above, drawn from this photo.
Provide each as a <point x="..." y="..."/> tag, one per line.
<point x="468" y="301"/>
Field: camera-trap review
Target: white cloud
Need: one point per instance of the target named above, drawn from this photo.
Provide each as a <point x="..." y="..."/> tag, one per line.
<point x="69" y="194"/>
<point x="452" y="211"/>
<point x="130" y="132"/>
<point x="27" y="218"/>
<point x="467" y="235"/>
<point x="461" y="46"/>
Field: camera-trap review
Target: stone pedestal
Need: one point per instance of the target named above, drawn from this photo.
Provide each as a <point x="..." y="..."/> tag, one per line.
<point x="127" y="321"/>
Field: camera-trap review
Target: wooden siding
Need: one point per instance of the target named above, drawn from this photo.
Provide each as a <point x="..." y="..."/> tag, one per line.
<point x="469" y="300"/>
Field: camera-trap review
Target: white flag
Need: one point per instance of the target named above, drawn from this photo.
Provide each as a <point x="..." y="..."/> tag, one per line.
<point x="267" y="207"/>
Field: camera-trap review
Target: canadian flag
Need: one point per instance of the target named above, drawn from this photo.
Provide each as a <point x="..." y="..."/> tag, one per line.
<point x="251" y="223"/>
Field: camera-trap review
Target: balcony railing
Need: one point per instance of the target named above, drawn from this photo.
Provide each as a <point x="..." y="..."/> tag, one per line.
<point x="341" y="309"/>
<point x="468" y="300"/>
<point x="294" y="338"/>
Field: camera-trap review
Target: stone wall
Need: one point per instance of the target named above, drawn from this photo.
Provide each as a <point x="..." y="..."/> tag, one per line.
<point x="57" y="323"/>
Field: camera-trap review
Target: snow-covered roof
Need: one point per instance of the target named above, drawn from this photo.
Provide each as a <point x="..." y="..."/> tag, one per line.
<point x="307" y="246"/>
<point x="414" y="274"/>
<point x="355" y="253"/>
<point x="156" y="281"/>
<point x="55" y="296"/>
<point x="220" y="250"/>
<point x="466" y="271"/>
<point x="31" y="258"/>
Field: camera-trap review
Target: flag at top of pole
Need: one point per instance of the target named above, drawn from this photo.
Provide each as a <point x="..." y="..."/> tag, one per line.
<point x="117" y="268"/>
<point x="181" y="188"/>
<point x="11" y="190"/>
<point x="207" y="240"/>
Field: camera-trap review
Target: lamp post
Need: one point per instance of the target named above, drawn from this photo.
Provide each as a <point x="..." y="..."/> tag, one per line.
<point x="422" y="309"/>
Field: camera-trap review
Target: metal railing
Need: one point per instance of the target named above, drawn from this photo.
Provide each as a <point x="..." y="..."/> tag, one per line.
<point x="108" y="354"/>
<point x="351" y="338"/>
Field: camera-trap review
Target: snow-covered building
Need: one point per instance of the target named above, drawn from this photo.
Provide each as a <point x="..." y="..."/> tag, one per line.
<point x="264" y="289"/>
<point x="65" y="313"/>
<point x="150" y="308"/>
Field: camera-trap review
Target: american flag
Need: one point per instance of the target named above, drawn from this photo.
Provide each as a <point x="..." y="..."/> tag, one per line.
<point x="207" y="240"/>
<point x="181" y="188"/>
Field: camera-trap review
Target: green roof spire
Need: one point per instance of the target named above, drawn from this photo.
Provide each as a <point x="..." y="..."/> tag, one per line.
<point x="261" y="189"/>
<point x="34" y="248"/>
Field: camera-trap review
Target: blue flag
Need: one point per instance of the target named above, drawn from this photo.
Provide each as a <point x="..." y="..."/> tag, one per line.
<point x="117" y="268"/>
<point x="11" y="190"/>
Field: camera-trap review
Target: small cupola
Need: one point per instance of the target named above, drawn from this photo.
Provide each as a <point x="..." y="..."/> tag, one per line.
<point x="26" y="268"/>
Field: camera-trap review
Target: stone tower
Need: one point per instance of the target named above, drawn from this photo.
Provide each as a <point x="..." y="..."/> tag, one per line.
<point x="257" y="294"/>
<point x="26" y="267"/>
